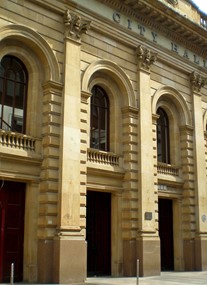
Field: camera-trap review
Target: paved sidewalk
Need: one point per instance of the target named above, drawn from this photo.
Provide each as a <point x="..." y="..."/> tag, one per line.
<point x="166" y="278"/>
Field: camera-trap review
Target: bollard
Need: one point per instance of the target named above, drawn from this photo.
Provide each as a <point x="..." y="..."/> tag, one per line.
<point x="12" y="274"/>
<point x="137" y="271"/>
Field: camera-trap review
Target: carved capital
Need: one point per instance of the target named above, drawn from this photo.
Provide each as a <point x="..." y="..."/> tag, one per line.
<point x="197" y="81"/>
<point x="173" y="2"/>
<point x="145" y="57"/>
<point x="74" y="26"/>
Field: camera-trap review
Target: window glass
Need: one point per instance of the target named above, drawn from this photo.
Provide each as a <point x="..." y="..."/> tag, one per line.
<point x="99" y="119"/>
<point x="13" y="91"/>
<point x="163" y="154"/>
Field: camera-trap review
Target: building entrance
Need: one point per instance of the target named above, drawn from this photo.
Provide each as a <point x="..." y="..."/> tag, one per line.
<point x="166" y="234"/>
<point x="12" y="202"/>
<point x="98" y="233"/>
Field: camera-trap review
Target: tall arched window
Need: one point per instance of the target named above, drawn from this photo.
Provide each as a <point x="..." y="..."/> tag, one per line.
<point x="163" y="144"/>
<point x="13" y="93"/>
<point x="99" y="138"/>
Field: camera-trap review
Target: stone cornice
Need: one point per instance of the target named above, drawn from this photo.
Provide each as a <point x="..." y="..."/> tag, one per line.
<point x="158" y="16"/>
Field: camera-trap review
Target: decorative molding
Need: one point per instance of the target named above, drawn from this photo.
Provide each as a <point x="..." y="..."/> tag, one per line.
<point x="145" y="58"/>
<point x="74" y="26"/>
<point x="155" y="19"/>
<point x="173" y="2"/>
<point x="85" y="96"/>
<point x="155" y="117"/>
<point x="197" y="81"/>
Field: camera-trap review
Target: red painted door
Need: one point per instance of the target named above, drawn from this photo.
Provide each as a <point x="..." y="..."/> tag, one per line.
<point x="12" y="203"/>
<point x="98" y="233"/>
<point x="166" y="234"/>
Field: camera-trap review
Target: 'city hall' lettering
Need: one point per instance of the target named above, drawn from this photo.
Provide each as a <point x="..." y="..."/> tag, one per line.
<point x="153" y="36"/>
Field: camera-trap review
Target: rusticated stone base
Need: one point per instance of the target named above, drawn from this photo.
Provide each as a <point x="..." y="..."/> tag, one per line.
<point x="147" y="250"/>
<point x="148" y="253"/>
<point x="69" y="261"/>
<point x="45" y="261"/>
<point x="129" y="258"/>
<point x="200" y="253"/>
<point x="189" y="254"/>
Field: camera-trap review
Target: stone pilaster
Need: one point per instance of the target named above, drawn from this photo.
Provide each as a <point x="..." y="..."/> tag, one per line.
<point x="130" y="185"/>
<point x="197" y="82"/>
<point x="145" y="135"/>
<point x="148" y="249"/>
<point x="188" y="200"/>
<point x="30" y="240"/>
<point x="69" y="244"/>
<point x="85" y="142"/>
<point x="48" y="192"/>
<point x="116" y="235"/>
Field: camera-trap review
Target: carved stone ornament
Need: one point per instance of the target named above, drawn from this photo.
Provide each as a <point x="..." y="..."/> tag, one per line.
<point x="74" y="26"/>
<point x="197" y="81"/>
<point x="173" y="2"/>
<point x="145" y="57"/>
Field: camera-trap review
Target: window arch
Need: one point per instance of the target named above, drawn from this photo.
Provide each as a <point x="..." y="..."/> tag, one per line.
<point x="163" y="143"/>
<point x="99" y="122"/>
<point x="13" y="94"/>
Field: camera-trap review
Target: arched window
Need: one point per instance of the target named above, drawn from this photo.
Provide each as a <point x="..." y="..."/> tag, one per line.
<point x="13" y="93"/>
<point x="99" y="137"/>
<point x="163" y="144"/>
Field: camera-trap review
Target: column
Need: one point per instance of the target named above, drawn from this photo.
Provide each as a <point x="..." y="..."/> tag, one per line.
<point x="197" y="82"/>
<point x="69" y="244"/>
<point x="148" y="247"/>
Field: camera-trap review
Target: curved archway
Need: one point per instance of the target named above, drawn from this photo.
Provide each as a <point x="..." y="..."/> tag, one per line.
<point x="110" y="69"/>
<point x="176" y="108"/>
<point x="34" y="42"/>
<point x="169" y="93"/>
<point x="40" y="61"/>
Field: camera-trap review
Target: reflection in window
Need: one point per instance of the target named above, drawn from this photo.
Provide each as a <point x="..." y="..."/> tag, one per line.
<point x="13" y="90"/>
<point x="163" y="144"/>
<point x="99" y="137"/>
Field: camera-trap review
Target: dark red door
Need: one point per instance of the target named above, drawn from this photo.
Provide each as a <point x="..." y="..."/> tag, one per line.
<point x="98" y="233"/>
<point x="166" y="234"/>
<point x="12" y="202"/>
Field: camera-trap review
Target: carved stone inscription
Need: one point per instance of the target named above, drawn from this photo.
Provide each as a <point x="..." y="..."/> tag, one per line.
<point x="158" y="39"/>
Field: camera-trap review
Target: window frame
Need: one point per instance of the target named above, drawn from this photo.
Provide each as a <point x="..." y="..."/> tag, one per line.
<point x="16" y="66"/>
<point x="103" y="111"/>
<point x="163" y="137"/>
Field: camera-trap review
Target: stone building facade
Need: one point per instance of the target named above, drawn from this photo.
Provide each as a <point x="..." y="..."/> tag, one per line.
<point x="103" y="141"/>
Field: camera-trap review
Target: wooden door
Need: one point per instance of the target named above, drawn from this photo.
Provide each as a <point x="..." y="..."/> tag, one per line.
<point x="98" y="233"/>
<point x="12" y="203"/>
<point x="166" y="234"/>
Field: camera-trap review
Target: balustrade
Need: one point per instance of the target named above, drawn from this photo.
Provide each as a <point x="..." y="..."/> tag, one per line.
<point x="167" y="169"/>
<point x="17" y="140"/>
<point x="101" y="157"/>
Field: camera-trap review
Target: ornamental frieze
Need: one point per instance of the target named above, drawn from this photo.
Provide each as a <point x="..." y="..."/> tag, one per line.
<point x="160" y="35"/>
